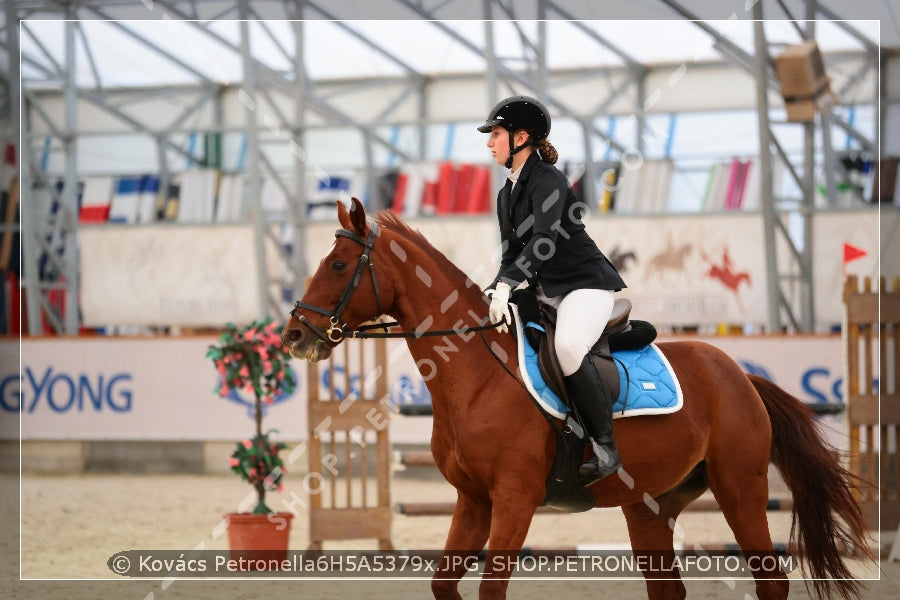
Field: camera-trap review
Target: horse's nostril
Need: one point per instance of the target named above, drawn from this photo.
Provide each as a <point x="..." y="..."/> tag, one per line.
<point x="294" y="335"/>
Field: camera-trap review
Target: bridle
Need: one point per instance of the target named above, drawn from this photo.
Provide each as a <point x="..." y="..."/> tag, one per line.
<point x="335" y="332"/>
<point x="338" y="329"/>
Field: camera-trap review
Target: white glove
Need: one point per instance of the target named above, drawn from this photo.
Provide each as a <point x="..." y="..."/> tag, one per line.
<point x="499" y="311"/>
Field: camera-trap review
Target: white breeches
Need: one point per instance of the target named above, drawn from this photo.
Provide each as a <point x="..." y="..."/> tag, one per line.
<point x="581" y="317"/>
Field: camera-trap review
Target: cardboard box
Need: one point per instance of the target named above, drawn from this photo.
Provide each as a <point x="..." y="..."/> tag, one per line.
<point x="800" y="70"/>
<point x="803" y="110"/>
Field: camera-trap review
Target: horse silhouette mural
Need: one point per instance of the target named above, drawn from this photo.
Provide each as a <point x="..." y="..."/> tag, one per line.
<point x="726" y="274"/>
<point x="672" y="258"/>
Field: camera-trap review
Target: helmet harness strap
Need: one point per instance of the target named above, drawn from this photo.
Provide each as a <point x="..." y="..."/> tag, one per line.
<point x="513" y="149"/>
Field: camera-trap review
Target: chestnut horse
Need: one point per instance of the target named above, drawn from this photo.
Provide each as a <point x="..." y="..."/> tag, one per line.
<point x="493" y="445"/>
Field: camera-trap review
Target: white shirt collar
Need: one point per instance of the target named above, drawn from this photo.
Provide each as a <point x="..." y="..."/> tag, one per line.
<point x="514" y="175"/>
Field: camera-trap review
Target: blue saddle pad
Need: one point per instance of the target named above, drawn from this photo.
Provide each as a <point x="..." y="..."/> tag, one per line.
<point x="647" y="383"/>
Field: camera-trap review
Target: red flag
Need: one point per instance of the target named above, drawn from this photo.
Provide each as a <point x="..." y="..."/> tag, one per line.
<point x="852" y="253"/>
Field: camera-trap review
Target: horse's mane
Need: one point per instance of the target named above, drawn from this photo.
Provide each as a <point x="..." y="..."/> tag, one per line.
<point x="391" y="221"/>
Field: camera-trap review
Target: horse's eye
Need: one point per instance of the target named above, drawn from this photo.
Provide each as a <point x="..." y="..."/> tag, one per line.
<point x="338" y="266"/>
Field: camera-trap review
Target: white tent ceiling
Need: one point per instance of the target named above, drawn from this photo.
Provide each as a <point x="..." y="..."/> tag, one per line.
<point x="110" y="57"/>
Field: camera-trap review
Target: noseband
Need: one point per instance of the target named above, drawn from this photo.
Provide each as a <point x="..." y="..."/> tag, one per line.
<point x="335" y="332"/>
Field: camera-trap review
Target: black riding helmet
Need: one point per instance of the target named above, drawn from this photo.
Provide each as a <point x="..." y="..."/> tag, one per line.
<point x="519" y="112"/>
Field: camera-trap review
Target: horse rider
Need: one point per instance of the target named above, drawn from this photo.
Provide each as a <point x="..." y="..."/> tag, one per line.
<point x="544" y="244"/>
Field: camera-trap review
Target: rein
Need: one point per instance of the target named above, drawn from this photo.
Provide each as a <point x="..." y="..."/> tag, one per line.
<point x="362" y="332"/>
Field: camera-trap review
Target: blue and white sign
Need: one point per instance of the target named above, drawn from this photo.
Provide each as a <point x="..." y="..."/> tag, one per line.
<point x="164" y="388"/>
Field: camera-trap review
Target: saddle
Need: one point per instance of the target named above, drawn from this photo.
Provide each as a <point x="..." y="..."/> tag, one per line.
<point x="564" y="490"/>
<point x="620" y="333"/>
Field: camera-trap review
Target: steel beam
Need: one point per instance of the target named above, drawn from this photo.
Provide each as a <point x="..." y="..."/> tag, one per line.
<point x="807" y="300"/>
<point x="155" y="47"/>
<point x="12" y="82"/>
<point x="300" y="220"/>
<point x="410" y="71"/>
<point x="627" y="58"/>
<point x="503" y="70"/>
<point x="262" y="70"/>
<point x="252" y="183"/>
<point x="871" y="47"/>
<point x="540" y="54"/>
<point x="89" y="54"/>
<point x="773" y="291"/>
<point x="70" y="187"/>
<point x="498" y="173"/>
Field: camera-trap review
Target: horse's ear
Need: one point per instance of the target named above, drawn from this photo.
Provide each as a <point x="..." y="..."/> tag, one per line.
<point x="343" y="215"/>
<point x="358" y="218"/>
<point x="353" y="219"/>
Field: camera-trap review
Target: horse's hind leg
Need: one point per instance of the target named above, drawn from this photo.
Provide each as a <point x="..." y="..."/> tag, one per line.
<point x="651" y="529"/>
<point x="739" y="481"/>
<point x="468" y="533"/>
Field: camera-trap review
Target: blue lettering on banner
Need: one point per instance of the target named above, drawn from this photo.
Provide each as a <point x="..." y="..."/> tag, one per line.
<point x="755" y="369"/>
<point x="410" y="391"/>
<point x="339" y="377"/>
<point x="66" y="392"/>
<point x="818" y="383"/>
<point x="815" y="382"/>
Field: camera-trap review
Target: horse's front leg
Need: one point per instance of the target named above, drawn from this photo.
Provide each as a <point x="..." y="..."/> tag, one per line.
<point x="509" y="527"/>
<point x="469" y="531"/>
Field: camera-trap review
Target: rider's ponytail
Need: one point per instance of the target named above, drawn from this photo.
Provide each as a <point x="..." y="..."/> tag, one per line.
<point x="547" y="151"/>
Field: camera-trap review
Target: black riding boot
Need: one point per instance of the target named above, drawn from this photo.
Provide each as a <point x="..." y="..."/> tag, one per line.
<point x="594" y="403"/>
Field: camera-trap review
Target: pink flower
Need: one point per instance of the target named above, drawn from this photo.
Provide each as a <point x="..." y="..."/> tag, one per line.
<point x="280" y="487"/>
<point x="247" y="444"/>
<point x="268" y="399"/>
<point x="233" y="462"/>
<point x="264" y="353"/>
<point x="267" y="365"/>
<point x="223" y="391"/>
<point x="244" y="372"/>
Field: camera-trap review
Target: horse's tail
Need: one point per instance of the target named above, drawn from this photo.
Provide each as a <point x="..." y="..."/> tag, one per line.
<point x="826" y="518"/>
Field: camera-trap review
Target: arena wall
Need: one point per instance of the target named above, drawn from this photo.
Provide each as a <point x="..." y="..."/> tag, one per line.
<point x="149" y="405"/>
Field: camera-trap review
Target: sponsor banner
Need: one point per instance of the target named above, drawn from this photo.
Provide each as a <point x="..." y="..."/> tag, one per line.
<point x="164" y="388"/>
<point x="168" y="275"/>
<point x="689" y="270"/>
<point x="831" y="232"/>
<point x="133" y="389"/>
<point x="680" y="269"/>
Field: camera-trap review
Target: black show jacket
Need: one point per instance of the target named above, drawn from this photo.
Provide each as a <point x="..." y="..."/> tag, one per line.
<point x="542" y="236"/>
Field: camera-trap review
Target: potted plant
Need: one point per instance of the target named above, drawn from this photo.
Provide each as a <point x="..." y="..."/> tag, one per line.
<point x="252" y="359"/>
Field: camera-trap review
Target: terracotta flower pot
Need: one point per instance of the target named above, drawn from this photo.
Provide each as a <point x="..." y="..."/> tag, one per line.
<point x="260" y="540"/>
